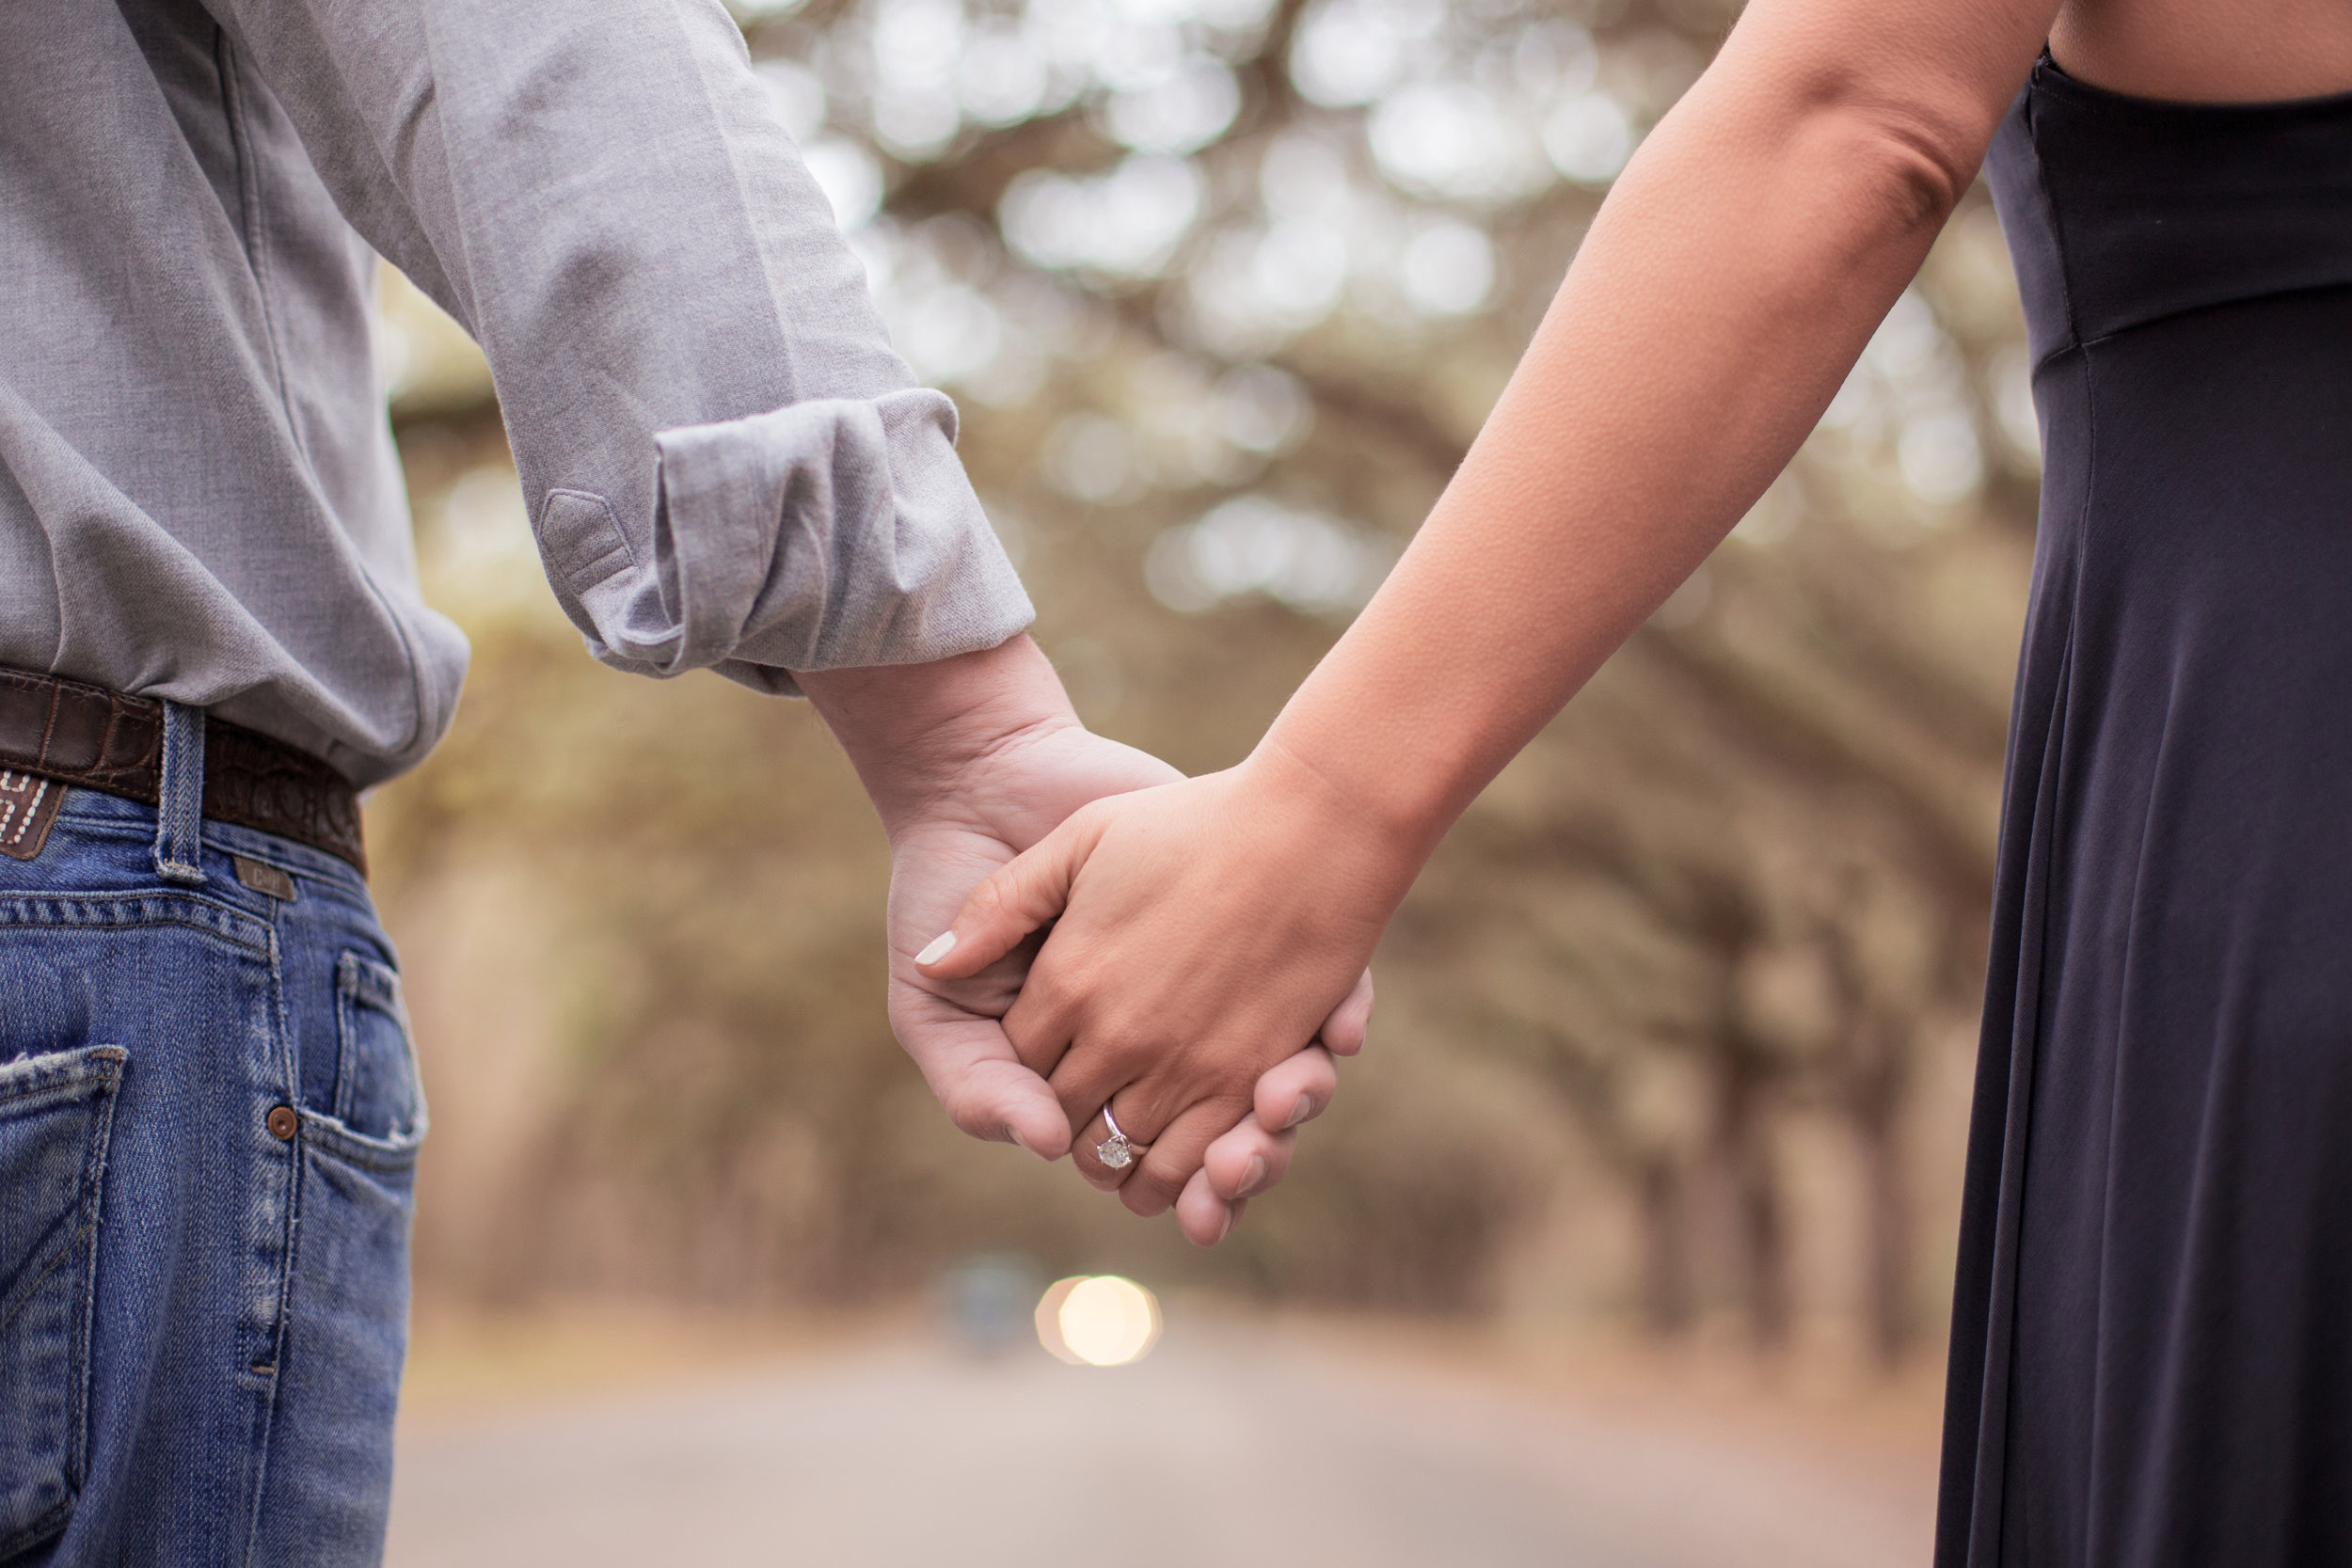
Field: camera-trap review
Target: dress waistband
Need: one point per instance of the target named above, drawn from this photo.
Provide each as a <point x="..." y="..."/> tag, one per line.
<point x="2124" y="211"/>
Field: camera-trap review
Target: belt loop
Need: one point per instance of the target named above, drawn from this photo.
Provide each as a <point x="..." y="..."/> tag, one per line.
<point x="179" y="813"/>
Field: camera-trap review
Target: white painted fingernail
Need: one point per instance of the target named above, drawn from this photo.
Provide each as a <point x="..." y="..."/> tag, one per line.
<point x="941" y="947"/>
<point x="1300" y="1112"/>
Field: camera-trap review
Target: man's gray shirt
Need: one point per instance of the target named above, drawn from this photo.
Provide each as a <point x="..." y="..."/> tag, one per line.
<point x="726" y="465"/>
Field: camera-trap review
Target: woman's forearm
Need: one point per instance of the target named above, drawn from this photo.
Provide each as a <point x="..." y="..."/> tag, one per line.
<point x="1728" y="284"/>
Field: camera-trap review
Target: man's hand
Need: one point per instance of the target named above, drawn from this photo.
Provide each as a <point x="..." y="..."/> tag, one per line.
<point x="970" y="761"/>
<point x="1203" y="927"/>
<point x="1018" y="791"/>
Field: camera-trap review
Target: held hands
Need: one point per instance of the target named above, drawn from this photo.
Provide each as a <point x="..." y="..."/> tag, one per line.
<point x="952" y="1027"/>
<point x="1205" y="928"/>
<point x="969" y="761"/>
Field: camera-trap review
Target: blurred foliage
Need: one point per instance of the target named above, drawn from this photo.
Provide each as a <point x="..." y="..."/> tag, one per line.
<point x="1224" y="288"/>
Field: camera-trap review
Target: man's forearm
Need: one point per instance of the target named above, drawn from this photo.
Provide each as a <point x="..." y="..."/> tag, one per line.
<point x="916" y="732"/>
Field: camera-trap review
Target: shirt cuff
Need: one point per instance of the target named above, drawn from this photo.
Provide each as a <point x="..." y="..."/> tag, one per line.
<point x="830" y="534"/>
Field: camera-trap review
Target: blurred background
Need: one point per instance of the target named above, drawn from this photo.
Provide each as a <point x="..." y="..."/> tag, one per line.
<point x="1660" y="1129"/>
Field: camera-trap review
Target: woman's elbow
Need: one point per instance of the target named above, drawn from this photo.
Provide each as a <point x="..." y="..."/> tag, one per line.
<point x="1920" y="162"/>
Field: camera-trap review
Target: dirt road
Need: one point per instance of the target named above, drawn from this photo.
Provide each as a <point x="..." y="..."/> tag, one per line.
<point x="1237" y="1449"/>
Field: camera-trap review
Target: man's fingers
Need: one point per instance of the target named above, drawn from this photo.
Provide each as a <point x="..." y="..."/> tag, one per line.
<point x="1343" y="1031"/>
<point x="1205" y="1218"/>
<point x="1175" y="1155"/>
<point x="1247" y="1160"/>
<point x="1004" y="1103"/>
<point x="970" y="1067"/>
<point x="1016" y="899"/>
<point x="1041" y="1037"/>
<point x="1297" y="1090"/>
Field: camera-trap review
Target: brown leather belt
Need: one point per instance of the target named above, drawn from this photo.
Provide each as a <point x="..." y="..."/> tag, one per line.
<point x="99" y="739"/>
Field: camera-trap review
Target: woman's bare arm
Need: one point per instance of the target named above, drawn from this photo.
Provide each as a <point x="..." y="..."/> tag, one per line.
<point x="1728" y="284"/>
<point x="1727" y="288"/>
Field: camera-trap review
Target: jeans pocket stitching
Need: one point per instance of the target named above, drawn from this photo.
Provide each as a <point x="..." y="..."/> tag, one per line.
<point x="130" y="910"/>
<point x="75" y="1226"/>
<point x="27" y="1081"/>
<point x="99" y="1070"/>
<point x="329" y="1135"/>
<point x="362" y="981"/>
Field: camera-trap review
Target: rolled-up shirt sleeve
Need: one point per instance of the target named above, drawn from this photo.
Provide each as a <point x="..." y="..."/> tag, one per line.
<point x="726" y="465"/>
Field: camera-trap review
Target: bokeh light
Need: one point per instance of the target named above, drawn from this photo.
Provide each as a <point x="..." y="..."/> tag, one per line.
<point x="1447" y="269"/>
<point x="1098" y="1321"/>
<point x="1127" y="222"/>
<point x="1179" y="110"/>
<point x="1589" y="139"/>
<point x="798" y="94"/>
<point x="1256" y="545"/>
<point x="846" y="174"/>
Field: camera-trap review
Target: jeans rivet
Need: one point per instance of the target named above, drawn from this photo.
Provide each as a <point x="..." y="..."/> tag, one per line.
<point x="280" y="1122"/>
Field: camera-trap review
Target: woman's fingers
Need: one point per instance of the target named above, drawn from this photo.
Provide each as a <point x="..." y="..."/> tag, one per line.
<point x="1297" y="1090"/>
<point x="1343" y="1031"/>
<point x="1175" y="1154"/>
<point x="1245" y="1153"/>
<point x="1085" y="1153"/>
<point x="1208" y="1174"/>
<point x="1018" y="896"/>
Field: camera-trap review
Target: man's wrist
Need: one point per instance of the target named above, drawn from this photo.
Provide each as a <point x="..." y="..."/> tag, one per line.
<point x="916" y="732"/>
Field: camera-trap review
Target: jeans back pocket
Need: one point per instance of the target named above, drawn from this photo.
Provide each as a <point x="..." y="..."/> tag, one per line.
<point x="377" y="1093"/>
<point x="56" y="1113"/>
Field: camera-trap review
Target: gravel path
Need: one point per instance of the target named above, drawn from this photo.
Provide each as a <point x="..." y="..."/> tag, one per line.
<point x="1228" y="1448"/>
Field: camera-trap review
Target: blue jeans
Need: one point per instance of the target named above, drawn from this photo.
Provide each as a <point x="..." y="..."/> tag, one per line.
<point x="209" y="1120"/>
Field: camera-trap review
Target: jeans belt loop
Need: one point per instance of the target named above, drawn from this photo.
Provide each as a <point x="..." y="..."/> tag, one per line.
<point x="179" y="813"/>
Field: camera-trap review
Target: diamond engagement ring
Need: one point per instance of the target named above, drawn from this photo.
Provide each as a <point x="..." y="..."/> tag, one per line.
<point x="1115" y="1152"/>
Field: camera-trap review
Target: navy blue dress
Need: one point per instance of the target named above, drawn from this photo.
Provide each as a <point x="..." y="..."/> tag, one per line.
<point x="2151" y="1346"/>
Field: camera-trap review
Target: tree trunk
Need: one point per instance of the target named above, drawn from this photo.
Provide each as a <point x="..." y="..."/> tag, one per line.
<point x="1757" y="1210"/>
<point x="1876" y="1108"/>
<point x="1665" y="1249"/>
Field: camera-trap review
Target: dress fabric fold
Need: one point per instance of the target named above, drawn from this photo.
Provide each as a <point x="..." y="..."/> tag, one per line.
<point x="2152" y="1345"/>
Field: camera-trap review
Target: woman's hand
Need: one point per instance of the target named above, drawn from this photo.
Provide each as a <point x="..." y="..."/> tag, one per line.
<point x="969" y="761"/>
<point x="1205" y="928"/>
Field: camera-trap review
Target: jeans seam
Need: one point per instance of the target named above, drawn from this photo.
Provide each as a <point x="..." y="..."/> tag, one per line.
<point x="102" y="1140"/>
<point x="290" y="1152"/>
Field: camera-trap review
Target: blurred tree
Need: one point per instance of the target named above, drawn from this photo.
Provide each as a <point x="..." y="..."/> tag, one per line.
<point x="1224" y="288"/>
